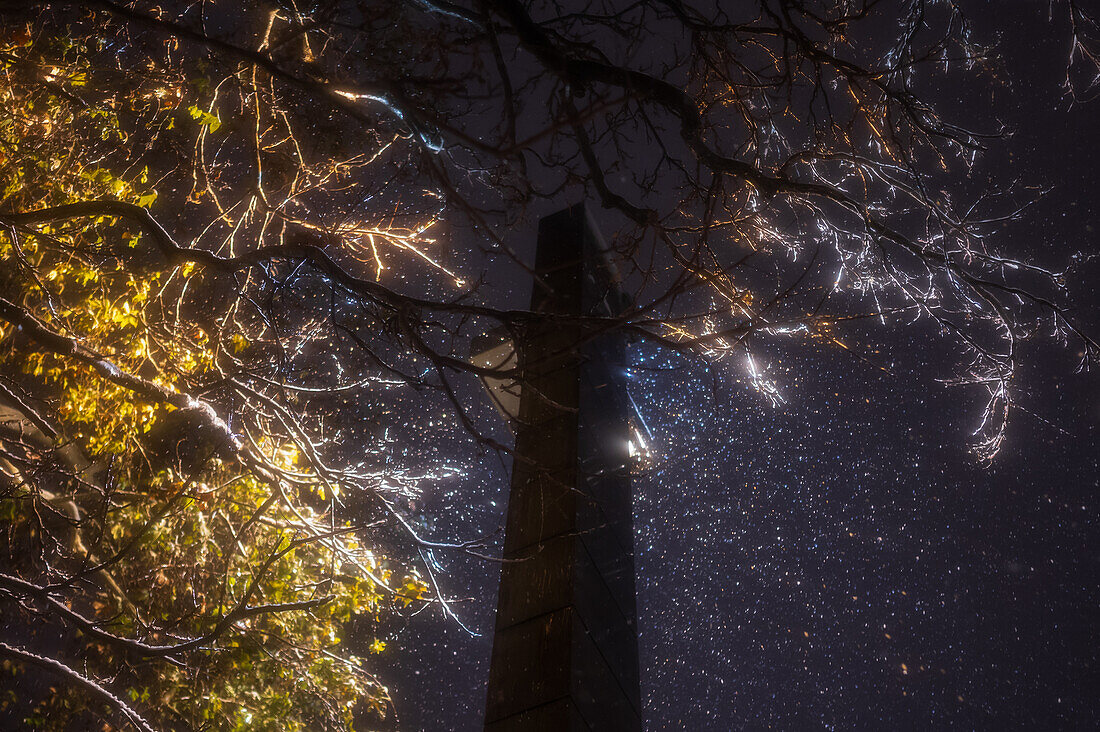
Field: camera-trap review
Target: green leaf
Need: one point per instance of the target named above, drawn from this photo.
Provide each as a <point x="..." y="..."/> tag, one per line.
<point x="210" y="121"/>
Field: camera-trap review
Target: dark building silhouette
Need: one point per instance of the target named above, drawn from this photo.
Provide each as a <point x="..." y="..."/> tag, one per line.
<point x="565" y="651"/>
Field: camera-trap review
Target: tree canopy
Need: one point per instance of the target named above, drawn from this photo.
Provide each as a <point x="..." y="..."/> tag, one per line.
<point x="233" y="233"/>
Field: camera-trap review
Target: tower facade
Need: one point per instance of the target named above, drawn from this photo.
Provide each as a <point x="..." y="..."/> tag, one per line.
<point x="565" y="652"/>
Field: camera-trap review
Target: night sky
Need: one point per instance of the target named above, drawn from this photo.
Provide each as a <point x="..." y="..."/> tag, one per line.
<point x="841" y="561"/>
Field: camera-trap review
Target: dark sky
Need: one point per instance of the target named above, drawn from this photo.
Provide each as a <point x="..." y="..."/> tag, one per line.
<point x="841" y="561"/>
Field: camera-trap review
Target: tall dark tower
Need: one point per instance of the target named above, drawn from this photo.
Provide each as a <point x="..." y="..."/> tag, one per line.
<point x="565" y="651"/>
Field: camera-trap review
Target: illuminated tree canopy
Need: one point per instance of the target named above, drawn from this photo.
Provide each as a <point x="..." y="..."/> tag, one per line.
<point x="231" y="233"/>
